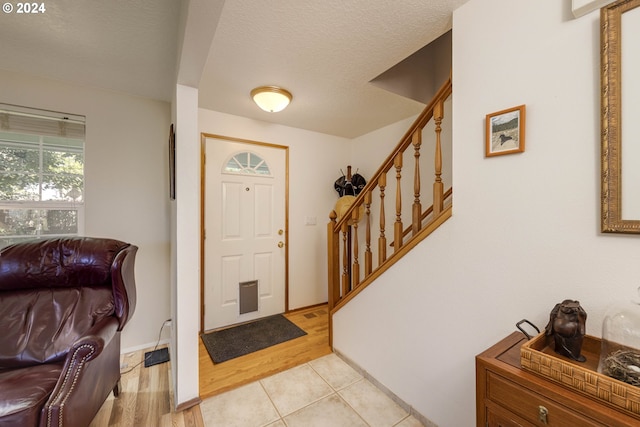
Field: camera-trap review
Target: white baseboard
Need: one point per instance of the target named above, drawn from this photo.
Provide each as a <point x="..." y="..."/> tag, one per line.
<point x="148" y="346"/>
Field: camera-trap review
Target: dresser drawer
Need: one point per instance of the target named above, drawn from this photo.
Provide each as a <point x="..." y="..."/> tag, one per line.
<point x="531" y="406"/>
<point x="500" y="417"/>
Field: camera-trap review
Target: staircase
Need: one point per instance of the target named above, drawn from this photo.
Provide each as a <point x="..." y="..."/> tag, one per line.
<point x="351" y="231"/>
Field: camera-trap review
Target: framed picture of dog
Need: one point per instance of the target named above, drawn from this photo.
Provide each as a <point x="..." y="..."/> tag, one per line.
<point x="505" y="131"/>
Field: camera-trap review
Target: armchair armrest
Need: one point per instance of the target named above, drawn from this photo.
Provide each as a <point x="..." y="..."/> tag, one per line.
<point x="91" y="370"/>
<point x="124" y="284"/>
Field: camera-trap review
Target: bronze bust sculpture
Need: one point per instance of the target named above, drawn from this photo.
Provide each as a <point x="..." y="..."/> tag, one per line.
<point x="567" y="325"/>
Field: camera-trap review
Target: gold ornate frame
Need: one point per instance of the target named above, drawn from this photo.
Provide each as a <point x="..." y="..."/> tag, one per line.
<point x="611" y="154"/>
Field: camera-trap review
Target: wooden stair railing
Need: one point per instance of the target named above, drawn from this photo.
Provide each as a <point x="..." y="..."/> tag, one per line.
<point x="346" y="276"/>
<point x="425" y="214"/>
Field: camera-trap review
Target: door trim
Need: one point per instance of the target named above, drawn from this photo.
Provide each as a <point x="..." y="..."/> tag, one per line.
<point x="203" y="140"/>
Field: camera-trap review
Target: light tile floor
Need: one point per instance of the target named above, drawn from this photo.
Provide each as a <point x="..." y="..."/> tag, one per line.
<point x="324" y="392"/>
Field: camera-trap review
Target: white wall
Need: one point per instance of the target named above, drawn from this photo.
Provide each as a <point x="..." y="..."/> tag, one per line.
<point x="185" y="238"/>
<point x="525" y="228"/>
<point x="315" y="160"/>
<point x="126" y="184"/>
<point x="370" y="150"/>
<point x="367" y="152"/>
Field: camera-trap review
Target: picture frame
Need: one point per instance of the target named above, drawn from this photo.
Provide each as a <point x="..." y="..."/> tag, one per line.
<point x="172" y="163"/>
<point x="505" y="132"/>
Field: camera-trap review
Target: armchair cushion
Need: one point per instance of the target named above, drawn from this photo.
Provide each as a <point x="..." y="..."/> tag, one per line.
<point x="42" y="325"/>
<point x="24" y="391"/>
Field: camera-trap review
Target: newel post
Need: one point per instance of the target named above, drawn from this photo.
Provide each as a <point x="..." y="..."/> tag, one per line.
<point x="333" y="257"/>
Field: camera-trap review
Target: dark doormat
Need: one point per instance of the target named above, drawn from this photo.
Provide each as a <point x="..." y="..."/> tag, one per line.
<point x="244" y="339"/>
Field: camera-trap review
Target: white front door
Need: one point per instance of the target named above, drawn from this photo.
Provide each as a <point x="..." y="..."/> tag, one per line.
<point x="245" y="236"/>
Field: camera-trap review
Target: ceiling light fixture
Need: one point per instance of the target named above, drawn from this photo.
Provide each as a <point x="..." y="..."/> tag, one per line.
<point x="271" y="98"/>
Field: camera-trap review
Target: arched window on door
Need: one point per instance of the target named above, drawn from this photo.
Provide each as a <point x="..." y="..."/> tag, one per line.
<point x="247" y="163"/>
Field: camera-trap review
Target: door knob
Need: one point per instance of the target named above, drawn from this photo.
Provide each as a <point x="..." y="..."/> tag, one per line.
<point x="280" y="244"/>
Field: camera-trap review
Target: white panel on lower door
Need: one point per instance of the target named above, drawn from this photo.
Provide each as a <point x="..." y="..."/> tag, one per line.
<point x="230" y="277"/>
<point x="264" y="273"/>
<point x="263" y="210"/>
<point x="231" y="208"/>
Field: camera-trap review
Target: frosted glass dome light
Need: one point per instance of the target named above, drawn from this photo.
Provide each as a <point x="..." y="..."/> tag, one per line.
<point x="271" y="98"/>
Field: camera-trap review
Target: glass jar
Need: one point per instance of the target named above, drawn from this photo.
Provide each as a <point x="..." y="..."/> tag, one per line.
<point x="620" y="350"/>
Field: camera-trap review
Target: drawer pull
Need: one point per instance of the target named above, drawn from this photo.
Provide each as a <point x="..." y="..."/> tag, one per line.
<point x="542" y="414"/>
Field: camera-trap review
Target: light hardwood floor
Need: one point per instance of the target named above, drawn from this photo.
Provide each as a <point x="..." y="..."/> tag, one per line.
<point x="221" y="377"/>
<point x="145" y="398"/>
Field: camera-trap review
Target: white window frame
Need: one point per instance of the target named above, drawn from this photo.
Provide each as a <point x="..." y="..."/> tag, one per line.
<point x="77" y="206"/>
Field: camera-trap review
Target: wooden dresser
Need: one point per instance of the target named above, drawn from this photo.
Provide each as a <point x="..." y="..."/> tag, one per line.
<point x="508" y="396"/>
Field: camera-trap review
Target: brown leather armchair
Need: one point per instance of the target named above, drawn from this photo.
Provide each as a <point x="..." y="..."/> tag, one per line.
<point x="63" y="303"/>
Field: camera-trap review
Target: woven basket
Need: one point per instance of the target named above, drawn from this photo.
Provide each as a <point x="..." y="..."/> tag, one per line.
<point x="537" y="356"/>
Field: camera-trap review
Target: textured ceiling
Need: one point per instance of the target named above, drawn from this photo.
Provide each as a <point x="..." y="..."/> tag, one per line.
<point x="124" y="45"/>
<point x="324" y="52"/>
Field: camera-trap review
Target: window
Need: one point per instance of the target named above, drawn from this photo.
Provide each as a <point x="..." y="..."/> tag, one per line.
<point x="41" y="174"/>
<point x="247" y="163"/>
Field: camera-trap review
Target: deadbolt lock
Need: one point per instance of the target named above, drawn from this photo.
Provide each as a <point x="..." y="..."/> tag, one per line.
<point x="281" y="232"/>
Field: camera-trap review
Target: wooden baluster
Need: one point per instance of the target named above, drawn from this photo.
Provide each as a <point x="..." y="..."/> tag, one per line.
<point x="368" y="261"/>
<point x="345" y="259"/>
<point x="438" y="186"/>
<point x="333" y="257"/>
<point x="355" y="272"/>
<point x="397" y="226"/>
<point x="382" y="240"/>
<point x="416" y="222"/>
